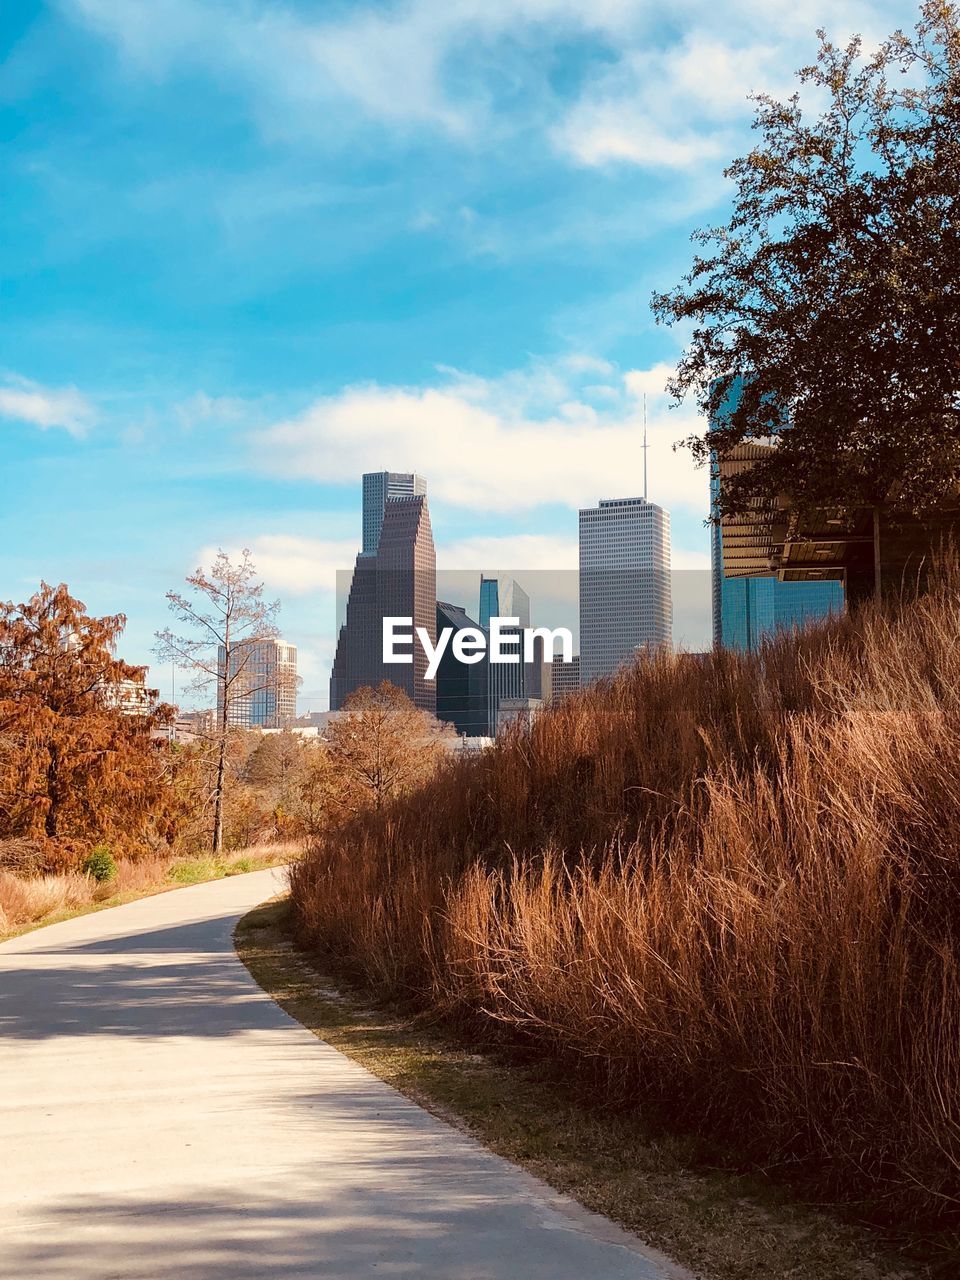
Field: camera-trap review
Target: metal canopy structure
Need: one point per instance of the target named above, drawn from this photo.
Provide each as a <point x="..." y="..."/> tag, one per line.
<point x="830" y="544"/>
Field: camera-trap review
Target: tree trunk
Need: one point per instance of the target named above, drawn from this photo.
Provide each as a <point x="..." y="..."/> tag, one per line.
<point x="877" y="595"/>
<point x="51" y="821"/>
<point x="218" y="802"/>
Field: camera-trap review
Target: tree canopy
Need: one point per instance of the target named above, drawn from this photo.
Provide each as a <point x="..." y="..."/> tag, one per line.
<point x="76" y="758"/>
<point x="831" y="298"/>
<point x="383" y="745"/>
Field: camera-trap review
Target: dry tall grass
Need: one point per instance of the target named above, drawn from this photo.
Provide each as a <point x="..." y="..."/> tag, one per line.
<point x="727" y="890"/>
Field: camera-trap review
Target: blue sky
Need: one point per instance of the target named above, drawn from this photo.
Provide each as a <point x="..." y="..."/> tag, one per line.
<point x="250" y="249"/>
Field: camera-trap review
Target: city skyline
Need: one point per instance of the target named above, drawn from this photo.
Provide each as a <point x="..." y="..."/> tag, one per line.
<point x="213" y="331"/>
<point x="210" y="333"/>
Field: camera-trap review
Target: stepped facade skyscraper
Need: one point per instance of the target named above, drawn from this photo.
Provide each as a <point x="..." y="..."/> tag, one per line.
<point x="394" y="576"/>
<point x="625" y="597"/>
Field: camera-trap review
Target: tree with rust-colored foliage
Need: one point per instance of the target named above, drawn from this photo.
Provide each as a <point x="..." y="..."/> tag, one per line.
<point x="77" y="762"/>
<point x="382" y="745"/>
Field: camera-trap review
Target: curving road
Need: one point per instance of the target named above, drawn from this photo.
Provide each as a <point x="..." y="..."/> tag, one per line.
<point x="161" y="1117"/>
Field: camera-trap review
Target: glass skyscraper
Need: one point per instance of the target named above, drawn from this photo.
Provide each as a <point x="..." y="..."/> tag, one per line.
<point x="463" y="697"/>
<point x="753" y="608"/>
<point x="394" y="577"/>
<point x="503" y="598"/>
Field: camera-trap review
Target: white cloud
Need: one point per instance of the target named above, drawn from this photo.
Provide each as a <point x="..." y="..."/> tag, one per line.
<point x="503" y="445"/>
<point x="597" y="133"/>
<point x="687" y="559"/>
<point x="676" y="108"/>
<point x="292" y="564"/>
<point x="45" y="407"/>
<point x="650" y="382"/>
<point x="509" y="553"/>
<point x="473" y="69"/>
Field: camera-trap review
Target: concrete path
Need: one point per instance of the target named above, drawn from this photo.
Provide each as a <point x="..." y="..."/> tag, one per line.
<point x="161" y="1117"/>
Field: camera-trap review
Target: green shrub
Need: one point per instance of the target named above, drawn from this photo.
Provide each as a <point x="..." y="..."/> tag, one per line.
<point x="100" y="864"/>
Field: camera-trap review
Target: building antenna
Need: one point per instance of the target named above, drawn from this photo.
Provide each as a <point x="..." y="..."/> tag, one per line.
<point x="644" y="446"/>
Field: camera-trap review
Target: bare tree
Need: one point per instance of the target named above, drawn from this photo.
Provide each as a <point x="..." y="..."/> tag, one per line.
<point x="228" y="615"/>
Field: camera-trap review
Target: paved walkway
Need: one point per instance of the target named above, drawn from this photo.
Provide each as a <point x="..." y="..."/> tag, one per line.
<point x="161" y="1117"/>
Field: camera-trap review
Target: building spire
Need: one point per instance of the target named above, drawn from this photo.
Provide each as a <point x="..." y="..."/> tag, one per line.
<point x="645" y="446"/>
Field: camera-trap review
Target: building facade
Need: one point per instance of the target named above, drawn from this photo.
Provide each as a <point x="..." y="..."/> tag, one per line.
<point x="750" y="607"/>
<point x="398" y="579"/>
<point x="625" y="595"/>
<point x="503" y="598"/>
<point x="564" y="677"/>
<point x="378" y="488"/>
<point x="462" y="688"/>
<point x="261" y="676"/>
<point x="517" y="711"/>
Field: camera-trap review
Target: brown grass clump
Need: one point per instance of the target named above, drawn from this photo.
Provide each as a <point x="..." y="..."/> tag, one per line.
<point x="140" y="876"/>
<point x="23" y="899"/>
<point x="725" y="890"/>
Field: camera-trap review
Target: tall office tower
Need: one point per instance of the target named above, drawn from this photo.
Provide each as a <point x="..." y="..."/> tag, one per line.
<point x="378" y="488"/>
<point x="503" y="598"/>
<point x="506" y="681"/>
<point x="746" y="609"/>
<point x="625" y="597"/>
<point x="407" y="588"/>
<point x="565" y="677"/>
<point x="263" y="684"/>
<point x="462" y="689"/>
<point x="399" y="580"/>
<point x="359" y="657"/>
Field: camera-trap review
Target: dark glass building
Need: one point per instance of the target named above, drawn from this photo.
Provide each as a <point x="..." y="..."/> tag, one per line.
<point x="462" y="690"/>
<point x="398" y="580"/>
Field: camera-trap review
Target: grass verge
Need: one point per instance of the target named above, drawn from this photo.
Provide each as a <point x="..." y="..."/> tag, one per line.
<point x="33" y="903"/>
<point x="723" y="1226"/>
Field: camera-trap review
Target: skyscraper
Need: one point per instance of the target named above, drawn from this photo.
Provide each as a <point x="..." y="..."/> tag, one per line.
<point x="625" y="596"/>
<point x="503" y="598"/>
<point x="407" y="588"/>
<point x="462" y="690"/>
<point x="378" y="488"/>
<point x="398" y="578"/>
<point x="263" y="684"/>
<point x="746" y="609"/>
<point x="565" y="677"/>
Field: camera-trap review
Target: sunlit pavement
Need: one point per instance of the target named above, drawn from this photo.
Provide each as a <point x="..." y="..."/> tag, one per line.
<point x="161" y="1117"/>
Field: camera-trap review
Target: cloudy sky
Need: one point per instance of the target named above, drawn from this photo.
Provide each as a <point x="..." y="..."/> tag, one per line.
<point x="252" y="248"/>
